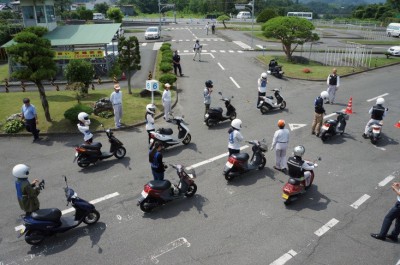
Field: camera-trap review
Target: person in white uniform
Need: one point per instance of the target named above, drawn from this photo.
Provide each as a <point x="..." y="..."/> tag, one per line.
<point x="116" y="101"/>
<point x="235" y="137"/>
<point x="166" y="101"/>
<point x="150" y="111"/>
<point x="280" y="144"/>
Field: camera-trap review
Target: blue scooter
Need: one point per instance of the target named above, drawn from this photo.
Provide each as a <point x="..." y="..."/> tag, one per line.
<point x="47" y="222"/>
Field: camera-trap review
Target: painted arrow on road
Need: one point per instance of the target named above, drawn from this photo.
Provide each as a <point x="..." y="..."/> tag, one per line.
<point x="294" y="126"/>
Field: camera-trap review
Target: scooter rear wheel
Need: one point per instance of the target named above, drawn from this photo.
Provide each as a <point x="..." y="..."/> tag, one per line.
<point x="82" y="164"/>
<point x="187" y="139"/>
<point x="120" y="152"/>
<point x="283" y="105"/>
<point x="209" y="123"/>
<point x="145" y="207"/>
<point x="323" y="137"/>
<point x="92" y="217"/>
<point x="34" y="237"/>
<point x="228" y="177"/>
<point x="191" y="190"/>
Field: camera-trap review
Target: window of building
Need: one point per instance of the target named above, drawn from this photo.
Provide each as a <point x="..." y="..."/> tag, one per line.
<point x="40" y="14"/>
<point x="27" y="12"/>
<point x="50" y="14"/>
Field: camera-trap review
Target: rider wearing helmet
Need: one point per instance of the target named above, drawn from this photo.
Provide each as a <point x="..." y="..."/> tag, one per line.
<point x="83" y="127"/>
<point x="377" y="113"/>
<point x="235" y="137"/>
<point x="319" y="112"/>
<point x="262" y="88"/>
<point x="297" y="166"/>
<point x="27" y="193"/>
<point x="280" y="143"/>
<point x="150" y="111"/>
<point x="207" y="95"/>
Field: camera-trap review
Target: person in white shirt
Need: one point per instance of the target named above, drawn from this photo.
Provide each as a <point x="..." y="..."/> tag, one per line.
<point x="150" y="111"/>
<point x="197" y="50"/>
<point x="280" y="144"/>
<point x="235" y="137"/>
<point x="333" y="82"/>
<point x="116" y="101"/>
<point x="262" y="87"/>
<point x="166" y="101"/>
<point x="207" y="27"/>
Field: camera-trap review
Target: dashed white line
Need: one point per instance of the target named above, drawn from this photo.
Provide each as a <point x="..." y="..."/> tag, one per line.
<point x="241" y="44"/>
<point x="386" y="181"/>
<point x="167" y="248"/>
<point x="221" y="66"/>
<point x="325" y="228"/>
<point x="231" y="51"/>
<point x="285" y="258"/>
<point x="144" y="44"/>
<point x="233" y="80"/>
<point x="372" y="99"/>
<point x="360" y="201"/>
<point x="213" y="51"/>
<point x="222" y="51"/>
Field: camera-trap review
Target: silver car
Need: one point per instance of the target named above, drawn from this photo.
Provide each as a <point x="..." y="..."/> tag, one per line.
<point x="395" y="50"/>
<point x="152" y="33"/>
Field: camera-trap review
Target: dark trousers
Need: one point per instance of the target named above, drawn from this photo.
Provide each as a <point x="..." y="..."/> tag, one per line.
<point x="30" y="126"/>
<point x="393" y="214"/>
<point x="207" y="108"/>
<point x="260" y="94"/>
<point x="157" y="175"/>
<point x="177" y="66"/>
<point x="233" y="151"/>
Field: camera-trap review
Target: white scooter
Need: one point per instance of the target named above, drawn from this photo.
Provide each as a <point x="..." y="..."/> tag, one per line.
<point x="165" y="136"/>
<point x="267" y="102"/>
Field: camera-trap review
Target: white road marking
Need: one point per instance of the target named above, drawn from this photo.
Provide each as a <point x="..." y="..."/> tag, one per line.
<point x="360" y="201"/>
<point x="233" y="80"/>
<point x="386" y="181"/>
<point x="231" y="51"/>
<point x="144" y="44"/>
<point x="240" y="51"/>
<point x="325" y="228"/>
<point x="109" y="196"/>
<point x="293" y="126"/>
<point x="222" y="51"/>
<point x="284" y="258"/>
<point x="213" y="51"/>
<point x="242" y="45"/>
<point x="204" y="51"/>
<point x="372" y="99"/>
<point x="380" y="148"/>
<point x="185" y="50"/>
<point x="167" y="248"/>
<point x="260" y="46"/>
<point x="221" y="66"/>
<point x="398" y="262"/>
<point x="213" y="159"/>
<point x="157" y="46"/>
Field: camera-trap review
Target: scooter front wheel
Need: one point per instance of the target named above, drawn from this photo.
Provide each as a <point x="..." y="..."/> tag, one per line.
<point x="92" y="217"/>
<point x="283" y="105"/>
<point x="263" y="109"/>
<point x="191" y="190"/>
<point x="82" y="164"/>
<point x="233" y="116"/>
<point x="263" y="162"/>
<point x="120" y="152"/>
<point x="187" y="139"/>
<point x="34" y="237"/>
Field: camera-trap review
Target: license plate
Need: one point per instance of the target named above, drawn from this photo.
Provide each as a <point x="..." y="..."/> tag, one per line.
<point x="324" y="127"/>
<point x="76" y="154"/>
<point x="281" y="72"/>
<point x="207" y="115"/>
<point x="144" y="194"/>
<point x="376" y="130"/>
<point x="229" y="164"/>
<point x="285" y="196"/>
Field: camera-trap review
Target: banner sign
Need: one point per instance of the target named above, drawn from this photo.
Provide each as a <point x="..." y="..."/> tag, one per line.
<point x="74" y="55"/>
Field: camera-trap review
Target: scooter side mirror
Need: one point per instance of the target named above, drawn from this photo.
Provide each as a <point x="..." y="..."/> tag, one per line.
<point x="319" y="158"/>
<point x="220" y="93"/>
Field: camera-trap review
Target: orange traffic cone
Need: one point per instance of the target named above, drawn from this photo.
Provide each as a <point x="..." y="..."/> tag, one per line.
<point x="349" y="109"/>
<point x="397" y="125"/>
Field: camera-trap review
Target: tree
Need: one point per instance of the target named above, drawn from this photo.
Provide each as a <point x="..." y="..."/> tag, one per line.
<point x="115" y="14"/>
<point x="85" y="14"/>
<point x="80" y="71"/>
<point x="290" y="30"/>
<point x="223" y="18"/>
<point x="394" y="3"/>
<point x="101" y="7"/>
<point x="266" y="15"/>
<point x="34" y="54"/>
<point x="61" y="6"/>
<point x="129" y="56"/>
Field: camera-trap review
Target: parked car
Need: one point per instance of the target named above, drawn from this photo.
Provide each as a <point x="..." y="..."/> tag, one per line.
<point x="393" y="30"/>
<point x="243" y="15"/>
<point x="395" y="50"/>
<point x="152" y="33"/>
<point x="98" y="16"/>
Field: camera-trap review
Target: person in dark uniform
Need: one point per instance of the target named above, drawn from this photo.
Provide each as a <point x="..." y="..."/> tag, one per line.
<point x="297" y="166"/>
<point x="319" y="113"/>
<point x="377" y="113"/>
<point x="176" y="59"/>
<point x="156" y="162"/>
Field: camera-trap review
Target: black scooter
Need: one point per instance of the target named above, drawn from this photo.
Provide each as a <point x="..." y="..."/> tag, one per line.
<point x="333" y="127"/>
<point x="216" y="115"/>
<point x="275" y="69"/>
<point x="160" y="192"/>
<point x="47" y="222"/>
<point x="87" y="154"/>
<point x="238" y="164"/>
<point x="374" y="132"/>
<point x="267" y="102"/>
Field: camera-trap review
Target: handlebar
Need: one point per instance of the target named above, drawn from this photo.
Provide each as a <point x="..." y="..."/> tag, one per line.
<point x="41" y="185"/>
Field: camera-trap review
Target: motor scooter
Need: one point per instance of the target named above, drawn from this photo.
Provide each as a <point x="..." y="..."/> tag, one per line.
<point x="160" y="192"/>
<point x="374" y="132"/>
<point x="216" y="115"/>
<point x="294" y="187"/>
<point x="87" y="154"/>
<point x="238" y="164"/>
<point x="275" y="69"/>
<point x="267" y="102"/>
<point x="332" y="127"/>
<point x="47" y="222"/>
<point x="165" y="137"/>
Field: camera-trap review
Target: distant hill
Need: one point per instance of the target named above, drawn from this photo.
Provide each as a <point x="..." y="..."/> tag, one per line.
<point x="344" y="2"/>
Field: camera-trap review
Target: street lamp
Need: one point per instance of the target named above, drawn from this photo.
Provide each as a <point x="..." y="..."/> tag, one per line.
<point x="243" y="6"/>
<point x="161" y="7"/>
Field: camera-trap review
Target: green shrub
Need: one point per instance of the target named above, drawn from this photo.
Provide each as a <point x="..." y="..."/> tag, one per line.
<point x="165" y="67"/>
<point x="266" y="15"/>
<point x="106" y="114"/>
<point x="165" y="46"/>
<point x="13" y="126"/>
<point x="167" y="78"/>
<point x="72" y="113"/>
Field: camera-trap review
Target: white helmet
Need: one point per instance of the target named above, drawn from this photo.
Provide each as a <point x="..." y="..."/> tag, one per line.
<point x="21" y="171"/>
<point x="84" y="118"/>
<point x="151" y="108"/>
<point x="237" y="124"/>
<point x="324" y="94"/>
<point x="380" y="101"/>
<point x="264" y="75"/>
<point x="299" y="150"/>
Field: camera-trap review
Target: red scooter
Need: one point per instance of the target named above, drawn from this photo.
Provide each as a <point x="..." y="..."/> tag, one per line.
<point x="293" y="188"/>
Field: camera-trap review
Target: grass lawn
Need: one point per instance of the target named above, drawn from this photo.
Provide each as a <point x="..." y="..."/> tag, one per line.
<point x="3" y="72"/>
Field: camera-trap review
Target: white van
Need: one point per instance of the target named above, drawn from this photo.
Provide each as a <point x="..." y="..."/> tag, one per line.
<point x="393" y="30"/>
<point x="243" y="15"/>
<point x="97" y="16"/>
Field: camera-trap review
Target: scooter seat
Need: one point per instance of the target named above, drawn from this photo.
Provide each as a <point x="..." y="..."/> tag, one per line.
<point x="219" y="109"/>
<point x="166" y="131"/>
<point x="241" y="156"/>
<point x="270" y="97"/>
<point x="160" y="184"/>
<point x="51" y="214"/>
<point x="294" y="181"/>
<point x="93" y="146"/>
<point x="333" y="122"/>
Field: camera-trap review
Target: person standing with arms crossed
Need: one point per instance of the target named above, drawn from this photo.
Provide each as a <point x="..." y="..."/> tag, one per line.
<point x="116" y="101"/>
<point x="319" y="113"/>
<point x="197" y="50"/>
<point x="166" y="101"/>
<point x="333" y="82"/>
<point x="207" y="95"/>
<point x="262" y="88"/>
<point x="280" y="144"/>
<point x="176" y="60"/>
<point x="29" y="116"/>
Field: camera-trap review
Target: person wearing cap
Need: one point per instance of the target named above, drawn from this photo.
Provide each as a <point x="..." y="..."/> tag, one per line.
<point x="280" y="144"/>
<point x="197" y="50"/>
<point x="166" y="101"/>
<point x="29" y="116"/>
<point x="116" y="101"/>
<point x="176" y="60"/>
